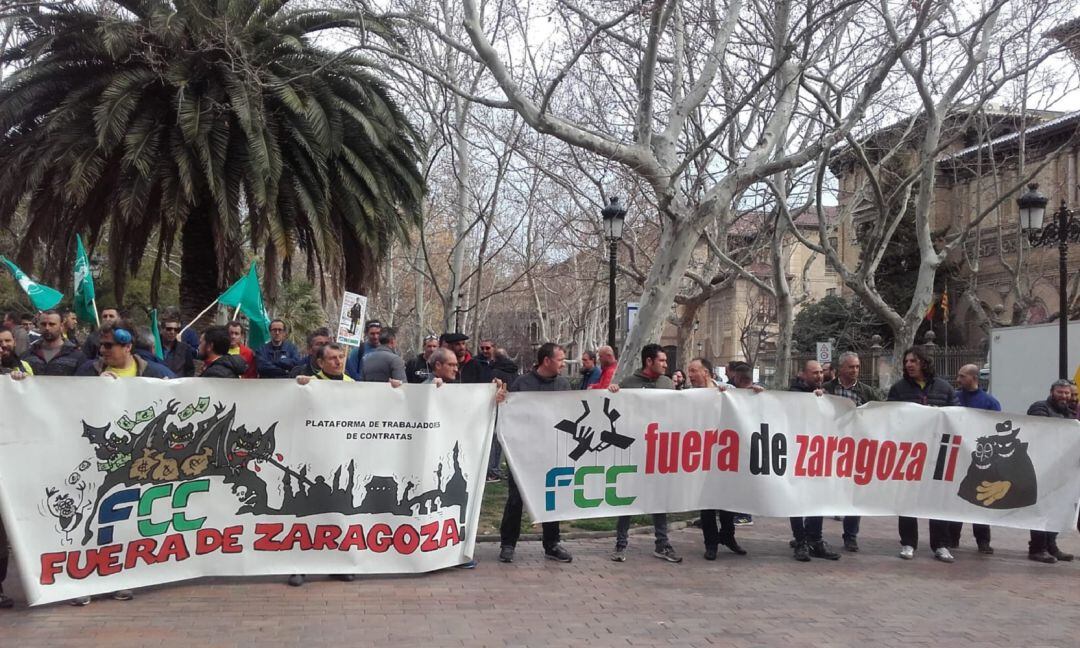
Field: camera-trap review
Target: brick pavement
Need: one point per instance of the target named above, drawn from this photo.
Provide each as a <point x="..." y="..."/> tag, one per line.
<point x="869" y="599"/>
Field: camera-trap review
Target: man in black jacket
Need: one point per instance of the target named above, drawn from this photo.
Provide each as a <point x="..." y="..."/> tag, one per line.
<point x="417" y="369"/>
<point x="920" y="386"/>
<point x="178" y="356"/>
<point x="51" y="355"/>
<point x="547" y="376"/>
<point x="308" y="366"/>
<point x="1043" y="545"/>
<point x="807" y="530"/>
<point x="214" y="349"/>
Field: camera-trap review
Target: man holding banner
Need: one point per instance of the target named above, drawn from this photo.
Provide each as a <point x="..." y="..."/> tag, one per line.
<point x="806" y="531"/>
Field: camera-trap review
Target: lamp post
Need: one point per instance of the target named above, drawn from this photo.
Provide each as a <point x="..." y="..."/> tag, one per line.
<point x="1062" y="230"/>
<point x="613" y="214"/>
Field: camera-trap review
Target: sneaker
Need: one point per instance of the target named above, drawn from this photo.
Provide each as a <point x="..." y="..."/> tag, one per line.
<point x="710" y="553"/>
<point x="821" y="549"/>
<point x="1059" y="554"/>
<point x="668" y="554"/>
<point x="985" y="548"/>
<point x="851" y="544"/>
<point x="802" y="552"/>
<point x="6" y="602"/>
<point x="467" y="565"/>
<point x="344" y="578"/>
<point x="1042" y="557"/>
<point x="556" y="553"/>
<point x="122" y="595"/>
<point x="79" y="602"/>
<point x="506" y="554"/>
<point x="943" y="554"/>
<point x="744" y="520"/>
<point x="296" y="580"/>
<point x="907" y="552"/>
<point x="619" y="555"/>
<point x="733" y="545"/>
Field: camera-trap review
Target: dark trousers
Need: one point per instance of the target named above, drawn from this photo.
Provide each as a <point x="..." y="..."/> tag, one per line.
<point x="1042" y="541"/>
<point x="806" y="529"/>
<point x="714" y="535"/>
<point x="980" y="531"/>
<point x="510" y="529"/>
<point x="909" y="533"/>
<point x="4" y="550"/>
<point x="851" y="526"/>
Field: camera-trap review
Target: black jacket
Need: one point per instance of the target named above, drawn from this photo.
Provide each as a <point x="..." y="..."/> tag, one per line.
<point x="226" y="366"/>
<point x="935" y="393"/>
<point x="800" y="385"/>
<point x="1048" y="408"/>
<point x="65" y="363"/>
<point x="476" y="370"/>
<point x="505" y="370"/>
<point x="305" y="368"/>
<point x="533" y="381"/>
<point x="416" y="370"/>
<point x="180" y="359"/>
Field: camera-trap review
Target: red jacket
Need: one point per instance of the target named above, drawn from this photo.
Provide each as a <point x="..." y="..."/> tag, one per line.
<point x="606" y="374"/>
<point x="249" y="357"/>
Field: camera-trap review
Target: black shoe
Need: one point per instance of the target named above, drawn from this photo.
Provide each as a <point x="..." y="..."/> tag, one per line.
<point x="6" y="602"/>
<point x="1059" y="554"/>
<point x="344" y="578"/>
<point x="851" y="544"/>
<point x="556" y="553"/>
<point x="985" y="548"/>
<point x="506" y="554"/>
<point x="1042" y="557"/>
<point x="802" y="552"/>
<point x="710" y="553"/>
<point x="731" y="544"/>
<point x="821" y="549"/>
<point x="296" y="580"/>
<point x="792" y="543"/>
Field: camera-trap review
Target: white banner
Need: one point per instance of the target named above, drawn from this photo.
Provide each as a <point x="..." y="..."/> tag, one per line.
<point x="115" y="484"/>
<point x="596" y="454"/>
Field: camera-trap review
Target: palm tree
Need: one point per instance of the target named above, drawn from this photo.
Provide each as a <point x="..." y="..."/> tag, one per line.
<point x="220" y="122"/>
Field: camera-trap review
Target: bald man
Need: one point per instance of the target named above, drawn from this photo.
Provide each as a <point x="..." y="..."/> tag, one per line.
<point x="969" y="394"/>
<point x="605" y="356"/>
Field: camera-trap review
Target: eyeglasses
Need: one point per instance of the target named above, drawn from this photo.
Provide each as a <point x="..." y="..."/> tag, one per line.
<point x="107" y="345"/>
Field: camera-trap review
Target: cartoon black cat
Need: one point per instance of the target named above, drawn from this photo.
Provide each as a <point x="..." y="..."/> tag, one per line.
<point x="1001" y="475"/>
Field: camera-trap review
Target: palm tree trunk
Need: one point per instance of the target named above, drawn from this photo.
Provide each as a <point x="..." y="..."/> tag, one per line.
<point x="199" y="273"/>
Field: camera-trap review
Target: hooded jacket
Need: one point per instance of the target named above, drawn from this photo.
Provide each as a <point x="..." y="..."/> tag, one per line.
<point x="66" y="362"/>
<point x="226" y="366"/>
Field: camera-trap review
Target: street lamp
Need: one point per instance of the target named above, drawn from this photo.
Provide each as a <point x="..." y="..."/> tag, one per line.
<point x="1062" y="230"/>
<point x="613" y="214"/>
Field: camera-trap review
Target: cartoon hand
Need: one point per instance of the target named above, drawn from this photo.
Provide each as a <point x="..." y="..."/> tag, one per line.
<point x="49" y="491"/>
<point x="990" y="492"/>
<point x="584" y="432"/>
<point x="173" y="407"/>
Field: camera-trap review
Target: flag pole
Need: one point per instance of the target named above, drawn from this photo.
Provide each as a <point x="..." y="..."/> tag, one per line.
<point x="235" y="313"/>
<point x="97" y="320"/>
<point x="196" y="318"/>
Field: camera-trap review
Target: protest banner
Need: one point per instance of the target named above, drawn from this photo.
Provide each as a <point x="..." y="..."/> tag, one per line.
<point x="597" y="454"/>
<point x="135" y="482"/>
<point x="350" y="329"/>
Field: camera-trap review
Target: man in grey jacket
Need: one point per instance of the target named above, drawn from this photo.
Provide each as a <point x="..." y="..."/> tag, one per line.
<point x="651" y="375"/>
<point x="383" y="362"/>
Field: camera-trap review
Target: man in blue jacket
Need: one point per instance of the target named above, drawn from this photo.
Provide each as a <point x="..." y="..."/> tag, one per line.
<point x="971" y="395"/>
<point x="278" y="357"/>
<point x="354" y="367"/>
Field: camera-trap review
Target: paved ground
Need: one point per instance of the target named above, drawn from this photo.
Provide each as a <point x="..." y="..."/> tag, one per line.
<point x="868" y="599"/>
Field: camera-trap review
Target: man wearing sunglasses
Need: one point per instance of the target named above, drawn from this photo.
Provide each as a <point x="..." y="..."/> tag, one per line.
<point x="278" y="357"/>
<point x="116" y="358"/>
<point x="178" y="355"/>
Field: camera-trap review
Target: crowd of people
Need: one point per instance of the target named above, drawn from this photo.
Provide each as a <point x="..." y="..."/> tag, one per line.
<point x="48" y="345"/>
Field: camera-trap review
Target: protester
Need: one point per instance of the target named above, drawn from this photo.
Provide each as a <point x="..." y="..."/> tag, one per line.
<point x="107" y="317"/>
<point x="700" y="372"/>
<point x="605" y="355"/>
<point x="505" y="371"/>
<point x="651" y="375"/>
<point x="590" y="371"/>
<point x="471" y="370"/>
<point x="17" y="372"/>
<point x="444" y="367"/>
<point x="678" y="379"/>
<point x="9" y="360"/>
<point x="847" y="385"/>
<point x="969" y="394"/>
<point x="827" y="374"/>
<point x="919" y="385"/>
<point x="71" y="326"/>
<point x="383" y="362"/>
<point x="116" y="357"/>
<point x="417" y="370"/>
<point x="354" y="367"/>
<point x="806" y="531"/>
<point x="143" y="347"/>
<point x="546" y="377"/>
<point x="52" y="355"/>
<point x="1043" y="545"/>
<point x="214" y="350"/>
<point x="30" y="325"/>
<point x="741" y="376"/>
<point x="238" y="348"/>
<point x="278" y="357"/>
<point x="315" y="340"/>
<point x="176" y="354"/>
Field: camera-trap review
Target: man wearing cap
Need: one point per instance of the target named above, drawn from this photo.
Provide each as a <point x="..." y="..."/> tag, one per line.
<point x="116" y="358"/>
<point x="469" y="370"/>
<point x="417" y="370"/>
<point x="355" y="365"/>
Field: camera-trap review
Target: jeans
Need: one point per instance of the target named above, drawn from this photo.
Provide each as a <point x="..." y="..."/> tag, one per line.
<point x="510" y="529"/>
<point x="909" y="533"/>
<point x="712" y="534"/>
<point x="1042" y="541"/>
<point x="659" y="520"/>
<point x="851" y="526"/>
<point x="495" y="458"/>
<point x="980" y="531"/>
<point x="806" y="529"/>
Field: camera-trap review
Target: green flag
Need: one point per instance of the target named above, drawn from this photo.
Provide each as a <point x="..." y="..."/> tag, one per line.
<point x="41" y="296"/>
<point x="246" y="294"/>
<point x="159" y="350"/>
<point x="85" y="307"/>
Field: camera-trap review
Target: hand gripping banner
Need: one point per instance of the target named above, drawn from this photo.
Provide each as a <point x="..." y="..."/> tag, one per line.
<point x="114" y="484"/>
<point x="597" y="454"/>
